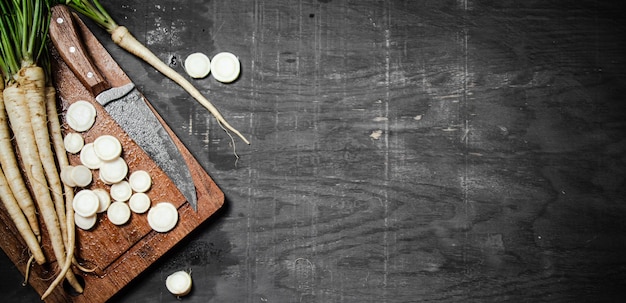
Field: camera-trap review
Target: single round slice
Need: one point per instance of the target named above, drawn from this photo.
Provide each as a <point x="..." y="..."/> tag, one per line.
<point x="73" y="143"/>
<point x="162" y="217"/>
<point x="121" y="191"/>
<point x="89" y="158"/>
<point x="85" y="203"/>
<point x="139" y="203"/>
<point x="140" y="181"/>
<point x="103" y="198"/>
<point x="85" y="223"/>
<point x="66" y="176"/>
<point x="179" y="283"/>
<point x="197" y="65"/>
<point x="80" y="116"/>
<point x="118" y="213"/>
<point x="81" y="175"/>
<point x="225" y="67"/>
<point x="113" y="171"/>
<point x="107" y="147"/>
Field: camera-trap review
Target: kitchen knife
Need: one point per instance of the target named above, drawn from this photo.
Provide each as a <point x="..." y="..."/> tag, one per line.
<point x="125" y="104"/>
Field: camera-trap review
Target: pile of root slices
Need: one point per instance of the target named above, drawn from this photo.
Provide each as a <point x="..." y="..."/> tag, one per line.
<point x="127" y="194"/>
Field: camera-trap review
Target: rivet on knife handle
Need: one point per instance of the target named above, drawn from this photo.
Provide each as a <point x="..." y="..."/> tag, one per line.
<point x="63" y="25"/>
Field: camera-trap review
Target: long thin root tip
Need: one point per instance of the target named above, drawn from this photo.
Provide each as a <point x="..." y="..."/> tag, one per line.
<point x="242" y="137"/>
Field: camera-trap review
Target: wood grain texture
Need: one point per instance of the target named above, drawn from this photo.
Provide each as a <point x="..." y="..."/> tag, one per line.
<point x="402" y="151"/>
<point x="116" y="253"/>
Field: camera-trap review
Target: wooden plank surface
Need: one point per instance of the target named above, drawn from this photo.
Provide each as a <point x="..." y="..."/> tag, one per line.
<point x="116" y="253"/>
<point x="402" y="151"/>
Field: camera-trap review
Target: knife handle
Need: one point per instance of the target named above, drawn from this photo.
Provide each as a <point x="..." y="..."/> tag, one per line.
<point x="67" y="40"/>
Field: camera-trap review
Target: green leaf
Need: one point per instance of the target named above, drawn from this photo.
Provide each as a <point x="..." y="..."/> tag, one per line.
<point x="93" y="10"/>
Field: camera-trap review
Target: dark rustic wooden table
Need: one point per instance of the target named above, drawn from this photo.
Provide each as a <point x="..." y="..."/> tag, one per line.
<point x="402" y="151"/>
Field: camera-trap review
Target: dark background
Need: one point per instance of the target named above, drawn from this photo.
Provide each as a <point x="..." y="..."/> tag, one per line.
<point x="402" y="151"/>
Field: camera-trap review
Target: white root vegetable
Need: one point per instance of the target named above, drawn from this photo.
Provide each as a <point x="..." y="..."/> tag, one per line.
<point x="81" y="175"/>
<point x="16" y="214"/>
<point x="54" y="126"/>
<point x="85" y="223"/>
<point x="107" y="147"/>
<point x="22" y="54"/>
<point x="16" y="182"/>
<point x="32" y="81"/>
<point x="139" y="203"/>
<point x="197" y="65"/>
<point x="118" y="213"/>
<point x="103" y="198"/>
<point x="121" y="191"/>
<point x="225" y="67"/>
<point x="162" y="217"/>
<point x="122" y="37"/>
<point x="76" y="176"/>
<point x="89" y="158"/>
<point x="140" y="181"/>
<point x="66" y="176"/>
<point x="73" y="143"/>
<point x="80" y="116"/>
<point x="86" y="203"/>
<point x="18" y="113"/>
<point x="113" y="171"/>
<point x="17" y="110"/>
<point x="179" y="283"/>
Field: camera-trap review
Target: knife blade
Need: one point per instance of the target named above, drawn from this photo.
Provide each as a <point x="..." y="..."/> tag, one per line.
<point x="125" y="104"/>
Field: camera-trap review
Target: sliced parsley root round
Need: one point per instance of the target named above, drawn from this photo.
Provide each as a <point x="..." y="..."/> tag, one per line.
<point x="179" y="283"/>
<point x="162" y="217"/>
<point x="197" y="65"/>
<point x="118" y="213"/>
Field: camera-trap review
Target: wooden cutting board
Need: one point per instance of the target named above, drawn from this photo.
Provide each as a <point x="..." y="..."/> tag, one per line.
<point x="118" y="253"/>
